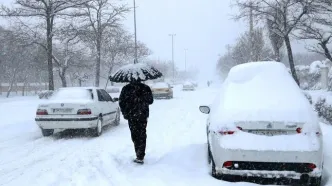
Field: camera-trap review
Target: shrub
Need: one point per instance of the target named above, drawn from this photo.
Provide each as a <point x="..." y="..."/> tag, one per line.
<point x="324" y="109"/>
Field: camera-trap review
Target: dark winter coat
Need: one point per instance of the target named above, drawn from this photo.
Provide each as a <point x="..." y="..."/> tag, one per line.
<point x="134" y="101"/>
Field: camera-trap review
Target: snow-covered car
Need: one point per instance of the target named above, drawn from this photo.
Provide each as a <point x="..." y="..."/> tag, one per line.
<point x="162" y="90"/>
<point x="262" y="128"/>
<point x="188" y="86"/>
<point x="78" y="108"/>
<point x="194" y="83"/>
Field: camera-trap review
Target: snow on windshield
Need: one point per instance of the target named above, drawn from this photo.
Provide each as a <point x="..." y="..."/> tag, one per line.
<point x="72" y="94"/>
<point x="160" y="85"/>
<point x="260" y="91"/>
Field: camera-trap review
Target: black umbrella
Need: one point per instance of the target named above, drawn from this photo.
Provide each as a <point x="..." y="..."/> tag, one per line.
<point x="135" y="72"/>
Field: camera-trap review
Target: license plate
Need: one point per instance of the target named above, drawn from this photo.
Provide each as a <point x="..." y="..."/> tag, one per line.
<point x="268" y="133"/>
<point x="62" y="110"/>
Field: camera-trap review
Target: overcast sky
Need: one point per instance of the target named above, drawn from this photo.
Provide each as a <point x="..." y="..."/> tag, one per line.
<point x="204" y="27"/>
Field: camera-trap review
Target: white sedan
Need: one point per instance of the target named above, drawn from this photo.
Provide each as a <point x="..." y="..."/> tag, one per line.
<point x="261" y="128"/>
<point x="188" y="86"/>
<point x="78" y="108"/>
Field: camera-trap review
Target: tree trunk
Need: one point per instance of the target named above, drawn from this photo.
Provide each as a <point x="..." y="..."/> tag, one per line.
<point x="49" y="24"/>
<point x="62" y="75"/>
<point x="98" y="61"/>
<point x="291" y="59"/>
<point x="326" y="51"/>
<point x="11" y="84"/>
<point x="277" y="55"/>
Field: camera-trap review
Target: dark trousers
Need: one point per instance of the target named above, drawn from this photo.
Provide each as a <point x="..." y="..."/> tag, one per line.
<point x="138" y="135"/>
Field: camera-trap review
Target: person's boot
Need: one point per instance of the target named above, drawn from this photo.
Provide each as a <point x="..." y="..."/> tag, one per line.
<point x="139" y="161"/>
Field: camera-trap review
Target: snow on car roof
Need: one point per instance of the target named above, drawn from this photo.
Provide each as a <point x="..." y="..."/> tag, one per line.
<point x="260" y="91"/>
<point x="187" y="83"/>
<point x="160" y="85"/>
<point x="72" y="93"/>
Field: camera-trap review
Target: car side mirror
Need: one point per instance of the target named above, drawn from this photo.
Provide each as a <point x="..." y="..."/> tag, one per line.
<point x="204" y="109"/>
<point x="115" y="99"/>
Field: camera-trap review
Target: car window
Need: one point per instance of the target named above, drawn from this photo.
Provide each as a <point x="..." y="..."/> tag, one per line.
<point x="106" y="95"/>
<point x="100" y="95"/>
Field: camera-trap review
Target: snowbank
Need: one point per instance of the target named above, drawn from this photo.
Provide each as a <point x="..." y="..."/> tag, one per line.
<point x="316" y="66"/>
<point x="260" y="91"/>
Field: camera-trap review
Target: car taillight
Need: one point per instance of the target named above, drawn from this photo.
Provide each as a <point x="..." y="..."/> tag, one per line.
<point x="299" y="130"/>
<point x="227" y="164"/>
<point x="229" y="132"/>
<point x="226" y="132"/>
<point x="41" y="112"/>
<point x="311" y="166"/>
<point x="84" y="112"/>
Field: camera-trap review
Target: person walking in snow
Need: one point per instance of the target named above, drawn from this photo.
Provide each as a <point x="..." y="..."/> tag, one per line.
<point x="134" y="102"/>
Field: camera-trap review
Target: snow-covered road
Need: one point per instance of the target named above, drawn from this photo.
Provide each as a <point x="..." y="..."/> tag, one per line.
<point x="175" y="148"/>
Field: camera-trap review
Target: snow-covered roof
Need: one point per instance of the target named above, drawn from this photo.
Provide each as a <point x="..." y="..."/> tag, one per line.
<point x="260" y="91"/>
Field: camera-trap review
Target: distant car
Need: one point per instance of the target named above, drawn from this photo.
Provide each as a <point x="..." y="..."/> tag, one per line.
<point x="78" y="108"/>
<point x="162" y="90"/>
<point x="194" y="83"/>
<point x="188" y="86"/>
<point x="261" y="128"/>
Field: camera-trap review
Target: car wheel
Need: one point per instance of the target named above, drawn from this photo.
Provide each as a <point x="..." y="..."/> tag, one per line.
<point x="315" y="181"/>
<point x="47" y="132"/>
<point x="97" y="131"/>
<point x="117" y="118"/>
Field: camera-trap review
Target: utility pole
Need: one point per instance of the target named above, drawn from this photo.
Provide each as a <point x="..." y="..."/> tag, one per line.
<point x="135" y="61"/>
<point x="185" y="59"/>
<point x="172" y="35"/>
<point x="251" y="30"/>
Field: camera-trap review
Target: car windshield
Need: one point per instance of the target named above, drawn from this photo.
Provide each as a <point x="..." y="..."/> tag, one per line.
<point x="72" y="94"/>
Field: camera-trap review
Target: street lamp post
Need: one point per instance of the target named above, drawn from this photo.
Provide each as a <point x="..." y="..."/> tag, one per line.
<point x="185" y="59"/>
<point x="135" y="61"/>
<point x="172" y="35"/>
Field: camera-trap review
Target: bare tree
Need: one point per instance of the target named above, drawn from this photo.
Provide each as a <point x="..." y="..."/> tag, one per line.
<point x="276" y="40"/>
<point x="245" y="51"/>
<point x="100" y="15"/>
<point x="319" y="28"/>
<point x="48" y="11"/>
<point x="68" y="52"/>
<point x="292" y="13"/>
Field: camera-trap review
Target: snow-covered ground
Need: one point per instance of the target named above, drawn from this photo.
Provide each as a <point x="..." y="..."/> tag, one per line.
<point x="176" y="148"/>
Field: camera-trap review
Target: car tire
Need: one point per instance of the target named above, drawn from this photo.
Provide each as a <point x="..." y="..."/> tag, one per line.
<point x="315" y="181"/>
<point x="117" y="118"/>
<point x="98" y="130"/>
<point x="47" y="132"/>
